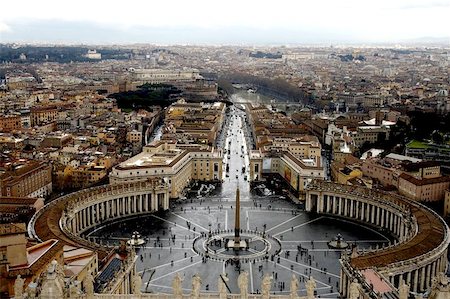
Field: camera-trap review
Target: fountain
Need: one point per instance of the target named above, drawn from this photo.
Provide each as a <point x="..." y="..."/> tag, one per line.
<point x="338" y="242"/>
<point x="136" y="239"/>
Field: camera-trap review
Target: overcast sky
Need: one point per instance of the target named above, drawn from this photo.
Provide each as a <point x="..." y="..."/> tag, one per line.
<point x="230" y="21"/>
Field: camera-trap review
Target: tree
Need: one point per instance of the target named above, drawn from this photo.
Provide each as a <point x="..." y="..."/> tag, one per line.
<point x="437" y="137"/>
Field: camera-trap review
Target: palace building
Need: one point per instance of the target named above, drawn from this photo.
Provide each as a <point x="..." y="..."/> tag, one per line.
<point x="176" y="164"/>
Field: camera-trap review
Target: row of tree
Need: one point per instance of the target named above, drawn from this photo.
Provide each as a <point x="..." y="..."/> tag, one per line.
<point x="277" y="88"/>
<point x="147" y="95"/>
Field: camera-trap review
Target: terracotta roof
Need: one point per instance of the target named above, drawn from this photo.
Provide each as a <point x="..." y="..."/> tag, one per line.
<point x="12" y="228"/>
<point x="422" y="182"/>
<point x="412" y="167"/>
<point x="37" y="252"/>
<point x="430" y="235"/>
<point x="18" y="201"/>
<point x="299" y="162"/>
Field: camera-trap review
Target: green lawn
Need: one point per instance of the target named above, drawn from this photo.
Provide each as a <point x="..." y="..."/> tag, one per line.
<point x="417" y="144"/>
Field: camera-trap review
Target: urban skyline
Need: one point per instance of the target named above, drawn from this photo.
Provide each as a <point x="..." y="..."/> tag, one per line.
<point x="233" y="22"/>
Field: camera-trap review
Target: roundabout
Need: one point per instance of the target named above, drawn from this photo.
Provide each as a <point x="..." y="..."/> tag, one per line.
<point x="258" y="246"/>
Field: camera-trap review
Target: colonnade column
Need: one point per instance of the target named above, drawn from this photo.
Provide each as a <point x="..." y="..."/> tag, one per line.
<point x="154" y="201"/>
<point x="416" y="279"/>
<point x="166" y="199"/>
<point x="422" y="278"/>
<point x="363" y="211"/>
<point x="408" y="278"/>
<point x="335" y="205"/>
<point x="345" y="206"/>
<point x="130" y="205"/>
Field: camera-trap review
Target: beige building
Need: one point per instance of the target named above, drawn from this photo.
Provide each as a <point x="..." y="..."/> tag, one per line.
<point x="43" y="115"/>
<point x="134" y="137"/>
<point x="26" y="179"/>
<point x="57" y="140"/>
<point x="177" y="165"/>
<point x="385" y="175"/>
<point x="423" y="181"/>
<point x="447" y="203"/>
<point x="10" y="123"/>
<point x="79" y="262"/>
<point x="423" y="189"/>
<point x="157" y="76"/>
<point x="194" y="122"/>
<point x="296" y="172"/>
<point x="86" y="175"/>
<point x="370" y="134"/>
<point x="304" y="147"/>
<point x="344" y="174"/>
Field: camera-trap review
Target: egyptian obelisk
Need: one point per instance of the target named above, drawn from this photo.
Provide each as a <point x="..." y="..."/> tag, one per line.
<point x="237" y="220"/>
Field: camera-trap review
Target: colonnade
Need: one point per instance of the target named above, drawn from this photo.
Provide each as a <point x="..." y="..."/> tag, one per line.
<point x="363" y="210"/>
<point x="408" y="222"/>
<point x="112" y="207"/>
<point x="93" y="207"/>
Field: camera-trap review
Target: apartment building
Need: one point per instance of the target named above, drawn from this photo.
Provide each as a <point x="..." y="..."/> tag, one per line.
<point x="447" y="203"/>
<point x="178" y="165"/>
<point x="423" y="182"/>
<point x="370" y="134"/>
<point x="10" y="123"/>
<point x="86" y="175"/>
<point x="25" y="178"/>
<point x="296" y="172"/>
<point x="43" y="115"/>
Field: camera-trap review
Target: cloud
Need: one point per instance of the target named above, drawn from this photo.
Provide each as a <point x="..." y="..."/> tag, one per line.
<point x="425" y="5"/>
<point x="382" y="20"/>
<point x="4" y="28"/>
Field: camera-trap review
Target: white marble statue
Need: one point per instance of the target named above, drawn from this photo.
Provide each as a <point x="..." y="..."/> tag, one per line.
<point x="403" y="290"/>
<point x="443" y="279"/>
<point x="176" y="286"/>
<point x="221" y="286"/>
<point x="294" y="287"/>
<point x="74" y="291"/>
<point x="265" y="286"/>
<point x="243" y="284"/>
<point x="89" y="284"/>
<point x="310" y="287"/>
<point x="32" y="290"/>
<point x="196" y="284"/>
<point x="18" y="287"/>
<point x="354" y="290"/>
<point x="137" y="284"/>
<point x="53" y="285"/>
